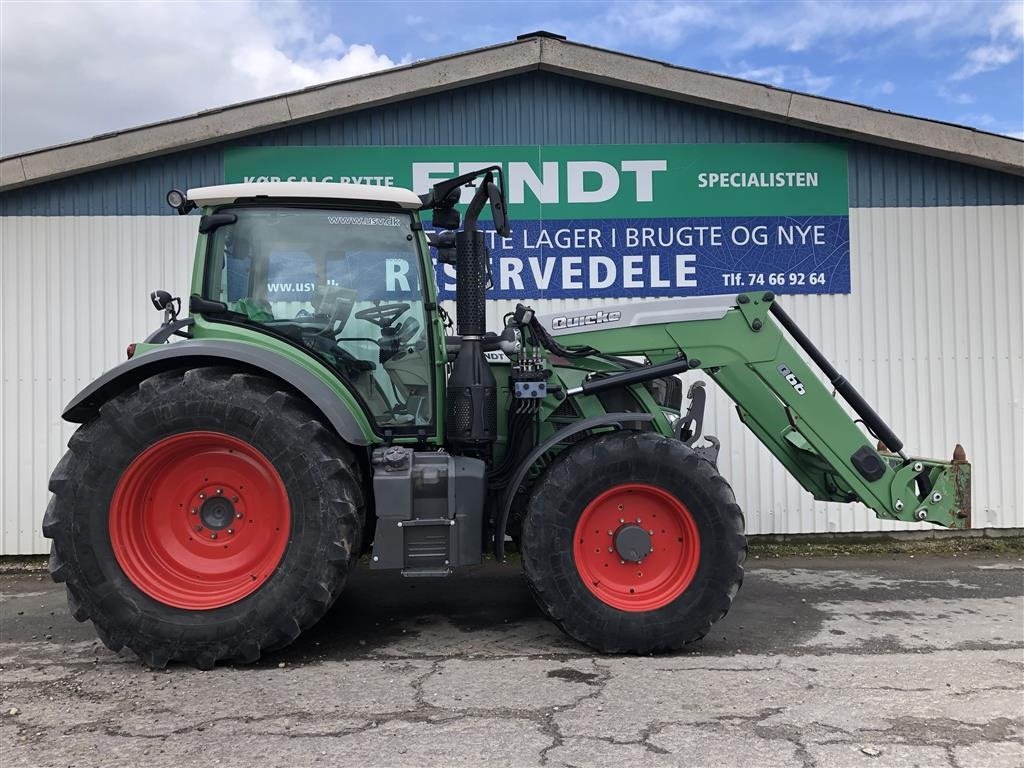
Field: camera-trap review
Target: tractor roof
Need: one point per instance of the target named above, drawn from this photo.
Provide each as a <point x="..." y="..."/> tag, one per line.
<point x="229" y="193"/>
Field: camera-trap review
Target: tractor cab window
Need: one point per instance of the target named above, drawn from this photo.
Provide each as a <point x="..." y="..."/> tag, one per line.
<point x="347" y="285"/>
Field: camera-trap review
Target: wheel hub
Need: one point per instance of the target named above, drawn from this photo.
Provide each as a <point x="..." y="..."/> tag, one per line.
<point x="217" y="513"/>
<point x="632" y="543"/>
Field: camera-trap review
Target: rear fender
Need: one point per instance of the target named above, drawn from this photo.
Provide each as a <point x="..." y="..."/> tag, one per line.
<point x="350" y="426"/>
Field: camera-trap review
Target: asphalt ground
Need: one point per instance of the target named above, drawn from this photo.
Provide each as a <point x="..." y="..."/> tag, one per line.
<point x="884" y="660"/>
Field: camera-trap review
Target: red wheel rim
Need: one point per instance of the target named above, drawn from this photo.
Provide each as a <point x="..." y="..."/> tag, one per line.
<point x="661" y="575"/>
<point x="199" y="520"/>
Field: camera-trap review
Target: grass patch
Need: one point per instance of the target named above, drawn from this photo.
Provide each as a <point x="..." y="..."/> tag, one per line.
<point x="832" y="547"/>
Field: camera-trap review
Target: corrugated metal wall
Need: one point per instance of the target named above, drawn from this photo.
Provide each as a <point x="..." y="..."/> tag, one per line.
<point x="932" y="335"/>
<point x="75" y="292"/>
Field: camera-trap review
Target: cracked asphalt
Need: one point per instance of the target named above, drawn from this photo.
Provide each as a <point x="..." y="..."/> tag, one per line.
<point x="884" y="660"/>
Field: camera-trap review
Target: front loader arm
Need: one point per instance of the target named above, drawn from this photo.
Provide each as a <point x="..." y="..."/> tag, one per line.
<point x="787" y="406"/>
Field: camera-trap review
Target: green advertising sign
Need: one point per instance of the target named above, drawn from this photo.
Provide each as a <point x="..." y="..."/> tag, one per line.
<point x="590" y="181"/>
<point x="667" y="219"/>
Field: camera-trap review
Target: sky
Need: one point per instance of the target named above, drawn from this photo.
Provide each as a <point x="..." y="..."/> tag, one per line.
<point x="69" y="71"/>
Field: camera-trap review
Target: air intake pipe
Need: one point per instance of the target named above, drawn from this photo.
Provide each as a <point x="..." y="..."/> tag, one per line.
<point x="472" y="396"/>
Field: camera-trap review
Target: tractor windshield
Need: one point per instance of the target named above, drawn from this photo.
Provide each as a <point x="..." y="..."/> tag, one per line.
<point x="347" y="285"/>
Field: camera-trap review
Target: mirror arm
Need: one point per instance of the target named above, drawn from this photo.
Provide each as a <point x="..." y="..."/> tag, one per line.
<point x="438" y="195"/>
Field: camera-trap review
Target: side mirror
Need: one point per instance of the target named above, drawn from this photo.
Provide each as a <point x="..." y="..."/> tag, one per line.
<point x="498" y="213"/>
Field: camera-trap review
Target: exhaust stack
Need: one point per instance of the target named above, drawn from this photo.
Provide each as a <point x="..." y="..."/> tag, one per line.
<point x="471" y="401"/>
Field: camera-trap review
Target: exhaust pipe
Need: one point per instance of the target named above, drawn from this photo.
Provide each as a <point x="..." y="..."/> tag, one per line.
<point x="471" y="401"/>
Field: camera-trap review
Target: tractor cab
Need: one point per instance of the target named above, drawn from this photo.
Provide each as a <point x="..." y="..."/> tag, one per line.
<point x="338" y="270"/>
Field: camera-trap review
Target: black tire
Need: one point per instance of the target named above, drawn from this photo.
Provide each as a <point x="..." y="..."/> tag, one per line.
<point x="580" y="475"/>
<point x="324" y="490"/>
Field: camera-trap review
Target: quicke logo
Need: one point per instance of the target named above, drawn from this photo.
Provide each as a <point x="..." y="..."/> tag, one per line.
<point x="579" y="321"/>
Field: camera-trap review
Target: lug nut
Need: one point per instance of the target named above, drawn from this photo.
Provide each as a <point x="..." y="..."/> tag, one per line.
<point x="898" y="504"/>
<point x="199" y="527"/>
<point x="231" y="530"/>
<point x="195" y="511"/>
<point x="202" y="495"/>
<point x="234" y="499"/>
<point x="219" y="491"/>
<point x="936" y="497"/>
<point x="921" y="514"/>
<point x="610" y="533"/>
<point x="621" y="520"/>
<point x="238" y="515"/>
<point x="213" y="535"/>
<point x="918" y="466"/>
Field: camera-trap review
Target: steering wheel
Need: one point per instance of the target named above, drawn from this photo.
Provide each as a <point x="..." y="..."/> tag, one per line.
<point x="383" y="315"/>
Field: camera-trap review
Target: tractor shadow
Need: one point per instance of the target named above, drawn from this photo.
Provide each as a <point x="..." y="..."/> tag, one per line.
<point x="480" y="610"/>
<point x="487" y="611"/>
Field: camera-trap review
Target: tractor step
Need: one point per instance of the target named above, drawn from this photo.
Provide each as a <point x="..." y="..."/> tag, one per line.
<point x="426" y="573"/>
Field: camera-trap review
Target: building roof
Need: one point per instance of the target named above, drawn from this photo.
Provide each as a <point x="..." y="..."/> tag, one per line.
<point x="537" y="51"/>
<point x="222" y="194"/>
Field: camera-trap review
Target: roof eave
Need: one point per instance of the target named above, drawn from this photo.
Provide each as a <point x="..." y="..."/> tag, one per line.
<point x="843" y="119"/>
<point x="239" y="120"/>
<point x="851" y="121"/>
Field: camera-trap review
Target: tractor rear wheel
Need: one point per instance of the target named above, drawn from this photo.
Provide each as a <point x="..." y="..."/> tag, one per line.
<point x="204" y="515"/>
<point x="633" y="543"/>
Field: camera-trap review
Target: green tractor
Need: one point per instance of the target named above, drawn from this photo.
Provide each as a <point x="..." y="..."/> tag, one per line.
<point x="220" y="488"/>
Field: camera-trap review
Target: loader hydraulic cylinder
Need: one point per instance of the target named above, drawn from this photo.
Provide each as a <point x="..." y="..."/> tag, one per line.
<point x="872" y="420"/>
<point x="634" y="376"/>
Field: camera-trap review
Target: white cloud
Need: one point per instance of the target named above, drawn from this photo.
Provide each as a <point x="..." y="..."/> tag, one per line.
<point x="985" y="59"/>
<point x="1006" y="41"/>
<point x="72" y="70"/>
<point x="1009" y="21"/>
<point x="665" y="23"/>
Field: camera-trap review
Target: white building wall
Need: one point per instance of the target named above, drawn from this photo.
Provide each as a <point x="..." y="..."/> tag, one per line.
<point x="932" y="335"/>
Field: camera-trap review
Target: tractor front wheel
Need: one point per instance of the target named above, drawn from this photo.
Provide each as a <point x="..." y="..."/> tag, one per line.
<point x="632" y="543"/>
<point x="205" y="515"/>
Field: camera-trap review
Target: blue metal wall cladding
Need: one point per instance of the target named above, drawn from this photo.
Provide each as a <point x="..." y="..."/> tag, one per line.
<point x="532" y="108"/>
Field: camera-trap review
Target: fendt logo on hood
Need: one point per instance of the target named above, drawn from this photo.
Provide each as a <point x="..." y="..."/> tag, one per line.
<point x="563" y="322"/>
